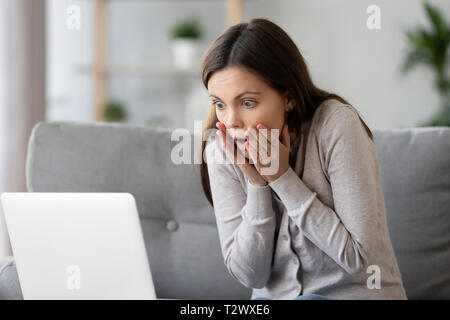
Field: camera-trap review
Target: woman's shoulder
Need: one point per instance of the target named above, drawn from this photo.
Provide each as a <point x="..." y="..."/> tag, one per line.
<point x="332" y="115"/>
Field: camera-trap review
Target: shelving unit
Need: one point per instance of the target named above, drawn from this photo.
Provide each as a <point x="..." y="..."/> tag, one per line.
<point x="138" y="70"/>
<point x="100" y="70"/>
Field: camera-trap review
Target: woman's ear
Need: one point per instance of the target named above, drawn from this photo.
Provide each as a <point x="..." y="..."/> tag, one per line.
<point x="288" y="101"/>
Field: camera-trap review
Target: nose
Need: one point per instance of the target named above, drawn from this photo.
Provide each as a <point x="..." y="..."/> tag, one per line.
<point x="233" y="120"/>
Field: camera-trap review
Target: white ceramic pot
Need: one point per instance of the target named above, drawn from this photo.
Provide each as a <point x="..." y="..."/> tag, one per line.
<point x="185" y="53"/>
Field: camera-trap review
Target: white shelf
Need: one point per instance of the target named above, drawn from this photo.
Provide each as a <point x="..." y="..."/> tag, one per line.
<point x="149" y="70"/>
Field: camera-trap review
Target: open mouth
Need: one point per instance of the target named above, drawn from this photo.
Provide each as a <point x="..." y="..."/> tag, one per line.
<point x="241" y="140"/>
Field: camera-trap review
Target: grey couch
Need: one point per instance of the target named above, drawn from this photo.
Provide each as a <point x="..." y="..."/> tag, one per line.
<point x="179" y="224"/>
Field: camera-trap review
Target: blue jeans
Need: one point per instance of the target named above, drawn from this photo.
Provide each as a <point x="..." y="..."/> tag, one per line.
<point x="309" y="296"/>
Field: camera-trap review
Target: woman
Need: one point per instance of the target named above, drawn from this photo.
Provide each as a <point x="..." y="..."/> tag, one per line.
<point x="315" y="226"/>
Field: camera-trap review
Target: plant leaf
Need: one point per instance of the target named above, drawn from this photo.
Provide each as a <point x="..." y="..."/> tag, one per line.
<point x="437" y="20"/>
<point x="415" y="57"/>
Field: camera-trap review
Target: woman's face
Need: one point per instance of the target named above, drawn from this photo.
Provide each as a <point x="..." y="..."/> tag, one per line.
<point x="243" y="100"/>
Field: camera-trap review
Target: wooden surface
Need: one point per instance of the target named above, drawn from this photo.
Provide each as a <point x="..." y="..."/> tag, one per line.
<point x="99" y="58"/>
<point x="234" y="12"/>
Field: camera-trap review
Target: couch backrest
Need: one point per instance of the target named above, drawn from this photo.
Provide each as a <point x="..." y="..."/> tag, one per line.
<point x="415" y="174"/>
<point x="179" y="225"/>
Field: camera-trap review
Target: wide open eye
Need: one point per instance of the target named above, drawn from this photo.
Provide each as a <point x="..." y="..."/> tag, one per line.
<point x="218" y="104"/>
<point x="249" y="103"/>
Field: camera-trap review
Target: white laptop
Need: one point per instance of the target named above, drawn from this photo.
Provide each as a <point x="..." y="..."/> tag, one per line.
<point x="78" y="245"/>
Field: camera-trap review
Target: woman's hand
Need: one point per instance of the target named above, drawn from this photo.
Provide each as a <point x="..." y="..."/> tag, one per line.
<point x="248" y="169"/>
<point x="259" y="147"/>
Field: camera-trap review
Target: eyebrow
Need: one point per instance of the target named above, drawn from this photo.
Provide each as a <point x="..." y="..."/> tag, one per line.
<point x="239" y="95"/>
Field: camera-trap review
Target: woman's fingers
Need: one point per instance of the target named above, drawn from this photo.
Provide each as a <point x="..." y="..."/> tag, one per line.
<point x="221" y="127"/>
<point x="258" y="145"/>
<point x="252" y="150"/>
<point x="259" y="148"/>
<point x="226" y="143"/>
<point x="252" y="145"/>
<point x="262" y="145"/>
<point x="237" y="155"/>
<point x="255" y="152"/>
<point x="233" y="154"/>
<point x="269" y="134"/>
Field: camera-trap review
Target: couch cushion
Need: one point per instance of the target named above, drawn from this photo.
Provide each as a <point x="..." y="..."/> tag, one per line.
<point x="9" y="282"/>
<point x="415" y="174"/>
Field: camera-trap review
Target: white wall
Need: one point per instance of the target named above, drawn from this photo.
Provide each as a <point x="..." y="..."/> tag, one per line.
<point x="360" y="64"/>
<point x="22" y="87"/>
<point x="69" y="93"/>
<point x="344" y="56"/>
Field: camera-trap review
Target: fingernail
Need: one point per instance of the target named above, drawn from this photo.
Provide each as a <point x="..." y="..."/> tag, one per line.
<point x="219" y="133"/>
<point x="260" y="126"/>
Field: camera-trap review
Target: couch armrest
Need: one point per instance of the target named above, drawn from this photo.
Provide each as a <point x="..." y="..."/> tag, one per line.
<point x="9" y="280"/>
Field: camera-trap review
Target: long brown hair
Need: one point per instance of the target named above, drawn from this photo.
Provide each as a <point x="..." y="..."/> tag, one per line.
<point x="264" y="48"/>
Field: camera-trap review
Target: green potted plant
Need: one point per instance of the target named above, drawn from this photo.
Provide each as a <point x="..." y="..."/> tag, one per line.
<point x="431" y="48"/>
<point x="186" y="35"/>
<point x="114" y="111"/>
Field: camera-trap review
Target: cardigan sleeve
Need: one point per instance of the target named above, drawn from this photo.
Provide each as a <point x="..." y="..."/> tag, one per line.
<point x="245" y="222"/>
<point x="347" y="231"/>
